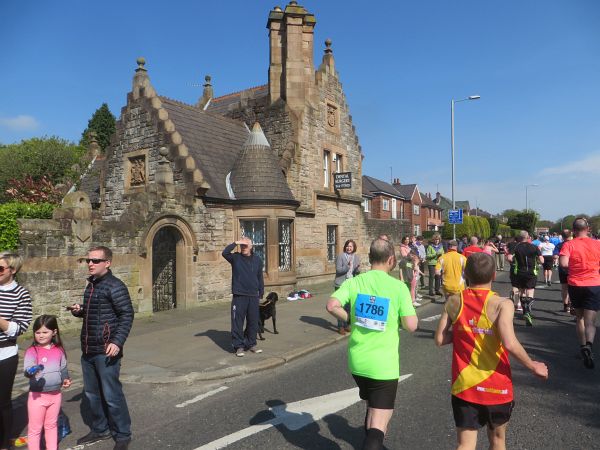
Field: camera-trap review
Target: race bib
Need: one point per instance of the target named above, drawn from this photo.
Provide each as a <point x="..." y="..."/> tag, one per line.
<point x="371" y="311"/>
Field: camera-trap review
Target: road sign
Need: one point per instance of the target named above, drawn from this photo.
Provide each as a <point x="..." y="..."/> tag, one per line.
<point x="455" y="216"/>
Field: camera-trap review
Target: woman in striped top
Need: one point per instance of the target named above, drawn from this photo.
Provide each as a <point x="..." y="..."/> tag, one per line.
<point x="15" y="316"/>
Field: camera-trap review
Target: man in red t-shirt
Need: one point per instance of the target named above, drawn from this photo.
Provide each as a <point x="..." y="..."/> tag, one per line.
<point x="582" y="257"/>
<point x="473" y="248"/>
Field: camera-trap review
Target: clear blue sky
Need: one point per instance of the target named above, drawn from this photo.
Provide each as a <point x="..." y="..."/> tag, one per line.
<point x="534" y="63"/>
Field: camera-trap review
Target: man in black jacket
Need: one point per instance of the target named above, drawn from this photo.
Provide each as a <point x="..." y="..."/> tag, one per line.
<point x="107" y="315"/>
<point x="247" y="286"/>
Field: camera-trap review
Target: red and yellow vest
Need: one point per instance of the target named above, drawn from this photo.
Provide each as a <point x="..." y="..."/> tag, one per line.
<point x="480" y="365"/>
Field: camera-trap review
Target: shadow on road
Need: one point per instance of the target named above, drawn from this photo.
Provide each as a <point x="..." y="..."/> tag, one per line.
<point x="319" y="322"/>
<point x="219" y="337"/>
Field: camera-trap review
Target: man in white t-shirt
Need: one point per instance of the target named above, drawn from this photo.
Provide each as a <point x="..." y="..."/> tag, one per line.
<point x="547" y="249"/>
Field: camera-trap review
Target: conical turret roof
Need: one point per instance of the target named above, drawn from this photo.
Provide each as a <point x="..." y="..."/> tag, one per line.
<point x="256" y="174"/>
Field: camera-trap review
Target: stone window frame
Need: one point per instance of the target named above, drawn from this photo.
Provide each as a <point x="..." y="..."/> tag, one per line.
<point x="127" y="169"/>
<point x="332" y="244"/>
<point x="337" y="128"/>
<point x="328" y="160"/>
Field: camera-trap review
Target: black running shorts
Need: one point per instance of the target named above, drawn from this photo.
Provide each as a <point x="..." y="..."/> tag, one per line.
<point x="474" y="416"/>
<point x="548" y="262"/>
<point x="585" y="297"/>
<point x="524" y="280"/>
<point x="562" y="275"/>
<point x="380" y="394"/>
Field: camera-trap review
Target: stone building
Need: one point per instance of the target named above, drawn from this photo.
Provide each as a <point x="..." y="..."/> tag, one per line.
<point x="179" y="182"/>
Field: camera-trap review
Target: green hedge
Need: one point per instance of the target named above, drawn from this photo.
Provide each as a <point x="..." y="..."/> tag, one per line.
<point x="10" y="212"/>
<point x="471" y="226"/>
<point x="504" y="230"/>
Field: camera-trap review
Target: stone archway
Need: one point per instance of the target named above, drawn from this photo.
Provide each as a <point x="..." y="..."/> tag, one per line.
<point x="164" y="268"/>
<point x="169" y="250"/>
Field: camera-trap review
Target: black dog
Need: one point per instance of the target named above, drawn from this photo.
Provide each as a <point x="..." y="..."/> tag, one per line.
<point x="267" y="310"/>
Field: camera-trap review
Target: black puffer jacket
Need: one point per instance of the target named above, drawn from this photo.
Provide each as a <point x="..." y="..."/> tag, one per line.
<point x="107" y="314"/>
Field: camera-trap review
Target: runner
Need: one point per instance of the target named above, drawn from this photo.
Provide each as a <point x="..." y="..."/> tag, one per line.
<point x="514" y="293"/>
<point x="380" y="304"/>
<point x="547" y="248"/>
<point x="582" y="257"/>
<point x="525" y="257"/>
<point x="473" y="248"/>
<point x="563" y="272"/>
<point x="482" y="388"/>
<point x="450" y="267"/>
<point x="501" y="246"/>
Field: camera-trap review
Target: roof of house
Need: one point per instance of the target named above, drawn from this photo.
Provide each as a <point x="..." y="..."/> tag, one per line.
<point x="374" y="186"/>
<point x="256" y="174"/>
<point x="446" y="203"/>
<point x="213" y="141"/>
<point x="220" y="105"/>
<point x="405" y="190"/>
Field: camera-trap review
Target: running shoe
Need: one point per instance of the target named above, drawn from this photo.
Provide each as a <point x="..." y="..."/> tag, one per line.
<point x="415" y="304"/>
<point x="239" y="352"/>
<point x="528" y="319"/>
<point x="19" y="442"/>
<point x="588" y="356"/>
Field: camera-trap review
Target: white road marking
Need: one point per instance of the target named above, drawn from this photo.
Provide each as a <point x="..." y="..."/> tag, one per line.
<point x="201" y="397"/>
<point x="296" y="415"/>
<point x="432" y="318"/>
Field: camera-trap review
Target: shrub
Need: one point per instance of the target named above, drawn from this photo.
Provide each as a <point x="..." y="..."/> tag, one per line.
<point x="10" y="212"/>
<point x="503" y="230"/>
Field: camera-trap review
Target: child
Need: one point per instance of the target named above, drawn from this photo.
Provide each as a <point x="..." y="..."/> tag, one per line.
<point x="479" y="324"/>
<point x="45" y="365"/>
<point x="415" y="278"/>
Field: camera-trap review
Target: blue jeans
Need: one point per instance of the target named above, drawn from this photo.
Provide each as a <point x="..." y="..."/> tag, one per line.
<point x="104" y="392"/>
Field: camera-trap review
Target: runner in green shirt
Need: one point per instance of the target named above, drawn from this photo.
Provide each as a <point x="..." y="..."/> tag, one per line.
<point x="379" y="304"/>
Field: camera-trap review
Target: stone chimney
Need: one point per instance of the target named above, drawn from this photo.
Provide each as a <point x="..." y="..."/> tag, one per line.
<point x="291" y="67"/>
<point x="207" y="93"/>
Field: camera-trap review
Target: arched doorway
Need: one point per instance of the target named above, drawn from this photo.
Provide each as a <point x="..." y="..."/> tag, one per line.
<point x="164" y="268"/>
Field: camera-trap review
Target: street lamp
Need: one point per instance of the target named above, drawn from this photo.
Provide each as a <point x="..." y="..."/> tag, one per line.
<point x="470" y="97"/>
<point x="526" y="202"/>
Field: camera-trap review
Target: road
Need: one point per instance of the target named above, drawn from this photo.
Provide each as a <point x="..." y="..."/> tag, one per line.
<point x="561" y="413"/>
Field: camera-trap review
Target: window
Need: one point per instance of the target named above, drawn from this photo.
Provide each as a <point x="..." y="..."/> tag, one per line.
<point x="386" y="204"/>
<point x="416" y="210"/>
<point x="326" y="175"/>
<point x="337" y="162"/>
<point x="285" y="245"/>
<point x="394" y="212"/>
<point x="401" y="211"/>
<point x="331" y="242"/>
<point x="417" y="230"/>
<point x="366" y="204"/>
<point x="257" y="231"/>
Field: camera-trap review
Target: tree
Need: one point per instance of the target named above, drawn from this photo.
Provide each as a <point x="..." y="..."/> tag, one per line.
<point x="51" y="157"/>
<point x="103" y="123"/>
<point x="524" y="221"/>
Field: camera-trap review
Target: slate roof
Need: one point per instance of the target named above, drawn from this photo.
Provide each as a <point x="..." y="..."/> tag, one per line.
<point x="429" y="202"/>
<point x="446" y="204"/>
<point x="220" y="105"/>
<point x="214" y="141"/>
<point x="405" y="190"/>
<point x="256" y="174"/>
<point x="373" y="186"/>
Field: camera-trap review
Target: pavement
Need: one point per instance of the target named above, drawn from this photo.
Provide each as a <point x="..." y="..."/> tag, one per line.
<point x="195" y="344"/>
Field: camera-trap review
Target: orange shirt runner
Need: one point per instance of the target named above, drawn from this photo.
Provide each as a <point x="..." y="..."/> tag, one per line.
<point x="584" y="261"/>
<point x="480" y="366"/>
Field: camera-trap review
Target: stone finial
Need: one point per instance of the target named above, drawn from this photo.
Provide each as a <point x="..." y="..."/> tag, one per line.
<point x="93" y="147"/>
<point x="328" y="49"/>
<point x="277" y="8"/>
<point x="164" y="173"/>
<point x="207" y="93"/>
<point x="293" y="3"/>
<point x="141" y="62"/>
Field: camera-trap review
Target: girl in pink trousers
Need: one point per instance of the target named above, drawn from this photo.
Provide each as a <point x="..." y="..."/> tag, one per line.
<point x="45" y="365"/>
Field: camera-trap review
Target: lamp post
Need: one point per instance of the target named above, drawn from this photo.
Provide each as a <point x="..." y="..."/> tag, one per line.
<point x="470" y="97"/>
<point x="526" y="201"/>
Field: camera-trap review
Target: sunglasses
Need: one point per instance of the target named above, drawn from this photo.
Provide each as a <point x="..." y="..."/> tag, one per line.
<point x="2" y="269"/>
<point x="95" y="260"/>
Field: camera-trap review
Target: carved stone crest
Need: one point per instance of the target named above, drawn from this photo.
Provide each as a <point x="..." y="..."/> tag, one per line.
<point x="138" y="171"/>
<point x="332" y="116"/>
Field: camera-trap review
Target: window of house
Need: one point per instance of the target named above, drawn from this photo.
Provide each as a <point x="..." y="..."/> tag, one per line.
<point x="416" y="210"/>
<point x="257" y="231"/>
<point x="285" y="245"/>
<point x="417" y="230"/>
<point x="386" y="204"/>
<point x="337" y="162"/>
<point x="326" y="174"/>
<point x="401" y="211"/>
<point x="331" y="242"/>
<point x="366" y="204"/>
